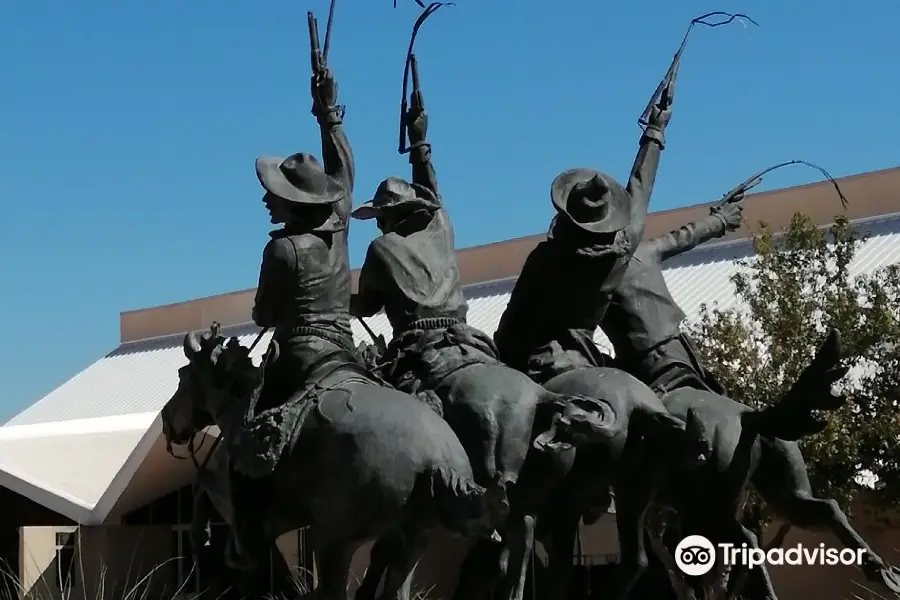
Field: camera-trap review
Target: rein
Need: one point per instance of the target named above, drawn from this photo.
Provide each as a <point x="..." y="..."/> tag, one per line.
<point x="193" y="449"/>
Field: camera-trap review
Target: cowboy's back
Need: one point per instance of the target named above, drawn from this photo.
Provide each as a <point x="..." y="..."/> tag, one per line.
<point x="557" y="293"/>
<point x="420" y="278"/>
<point x="305" y="283"/>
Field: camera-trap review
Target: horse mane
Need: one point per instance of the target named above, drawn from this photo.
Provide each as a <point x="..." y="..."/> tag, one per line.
<point x="230" y="360"/>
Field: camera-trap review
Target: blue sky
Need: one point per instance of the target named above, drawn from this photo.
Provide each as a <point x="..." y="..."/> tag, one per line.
<point x="129" y="130"/>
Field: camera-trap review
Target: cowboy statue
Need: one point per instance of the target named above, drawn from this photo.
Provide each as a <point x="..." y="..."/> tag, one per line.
<point x="410" y="271"/>
<point x="304" y="280"/>
<point x="568" y="280"/>
<point x="643" y="321"/>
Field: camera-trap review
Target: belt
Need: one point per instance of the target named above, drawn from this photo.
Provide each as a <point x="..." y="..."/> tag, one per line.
<point x="432" y="323"/>
<point x="337" y="339"/>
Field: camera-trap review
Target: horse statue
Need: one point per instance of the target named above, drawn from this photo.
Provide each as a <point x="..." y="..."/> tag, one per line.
<point x="367" y="460"/>
<point x="745" y="447"/>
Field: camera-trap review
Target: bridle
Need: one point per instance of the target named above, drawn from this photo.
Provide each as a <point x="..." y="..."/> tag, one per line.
<point x="193" y="449"/>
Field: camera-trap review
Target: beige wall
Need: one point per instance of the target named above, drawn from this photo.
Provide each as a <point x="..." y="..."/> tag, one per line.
<point x="37" y="562"/>
<point x="107" y="558"/>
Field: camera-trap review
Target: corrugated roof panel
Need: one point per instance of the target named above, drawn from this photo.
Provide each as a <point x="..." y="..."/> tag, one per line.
<point x="135" y="378"/>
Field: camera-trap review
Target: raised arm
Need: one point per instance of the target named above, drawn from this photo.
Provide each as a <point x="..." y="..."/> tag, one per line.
<point x="337" y="156"/>
<point x="420" y="150"/>
<point x="275" y="274"/>
<point x="646" y="163"/>
<point x="693" y="234"/>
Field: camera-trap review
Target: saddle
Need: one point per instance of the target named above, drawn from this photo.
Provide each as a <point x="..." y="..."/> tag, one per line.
<point x="258" y="447"/>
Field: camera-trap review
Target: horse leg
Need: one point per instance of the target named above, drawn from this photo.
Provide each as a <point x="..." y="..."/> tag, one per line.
<point x="757" y="583"/>
<point x="804" y="510"/>
<point x="782" y="481"/>
<point x="519" y="543"/>
<point x="379" y="561"/>
<point x="640" y="477"/>
<point x="334" y="569"/>
<point x="402" y="564"/>
<point x="563" y="529"/>
<point x="480" y="571"/>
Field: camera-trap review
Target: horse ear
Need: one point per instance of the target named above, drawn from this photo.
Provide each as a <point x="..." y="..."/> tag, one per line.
<point x="191" y="345"/>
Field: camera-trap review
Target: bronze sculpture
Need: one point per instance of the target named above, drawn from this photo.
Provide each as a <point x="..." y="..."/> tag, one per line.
<point x="322" y="444"/>
<point x="643" y="321"/>
<point x="410" y="271"/>
<point x="464" y="441"/>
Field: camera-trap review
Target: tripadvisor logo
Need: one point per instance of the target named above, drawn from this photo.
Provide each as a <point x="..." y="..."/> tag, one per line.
<point x="695" y="555"/>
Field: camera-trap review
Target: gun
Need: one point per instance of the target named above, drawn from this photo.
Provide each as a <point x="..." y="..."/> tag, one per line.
<point x="412" y="68"/>
<point x="736" y="193"/>
<point x="316" y="58"/>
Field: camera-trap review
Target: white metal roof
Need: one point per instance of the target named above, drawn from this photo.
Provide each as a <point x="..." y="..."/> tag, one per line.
<point x="76" y="449"/>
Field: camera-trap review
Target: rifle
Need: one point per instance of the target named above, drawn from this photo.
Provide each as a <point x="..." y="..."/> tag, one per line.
<point x="412" y="68"/>
<point x="755" y="179"/>
<point x="672" y="72"/>
<point x="318" y="56"/>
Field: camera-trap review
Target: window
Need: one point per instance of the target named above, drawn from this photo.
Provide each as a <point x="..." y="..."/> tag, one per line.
<point x="65" y="560"/>
<point x="305" y="566"/>
<point x="186" y="581"/>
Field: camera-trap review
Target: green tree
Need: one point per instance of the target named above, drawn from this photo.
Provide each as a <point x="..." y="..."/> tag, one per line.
<point x="800" y="283"/>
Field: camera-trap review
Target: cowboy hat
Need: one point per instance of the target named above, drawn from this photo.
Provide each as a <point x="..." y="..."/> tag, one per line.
<point x="601" y="204"/>
<point x="298" y="178"/>
<point x="394" y="193"/>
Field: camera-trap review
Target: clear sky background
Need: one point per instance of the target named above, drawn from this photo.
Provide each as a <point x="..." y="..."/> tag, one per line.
<point x="128" y="130"/>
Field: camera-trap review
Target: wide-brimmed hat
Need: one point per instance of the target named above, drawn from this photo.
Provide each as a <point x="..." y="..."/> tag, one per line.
<point x="603" y="206"/>
<point x="395" y="194"/>
<point x="298" y="178"/>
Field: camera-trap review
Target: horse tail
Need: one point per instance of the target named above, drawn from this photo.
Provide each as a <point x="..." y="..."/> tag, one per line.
<point x="790" y="419"/>
<point x="567" y="409"/>
<point x="793" y="416"/>
<point x="464" y="506"/>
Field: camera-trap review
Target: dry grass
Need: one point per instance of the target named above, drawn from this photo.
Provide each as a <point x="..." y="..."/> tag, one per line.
<point x="140" y="589"/>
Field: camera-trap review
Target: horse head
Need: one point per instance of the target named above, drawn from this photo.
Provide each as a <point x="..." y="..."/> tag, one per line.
<point x="218" y="372"/>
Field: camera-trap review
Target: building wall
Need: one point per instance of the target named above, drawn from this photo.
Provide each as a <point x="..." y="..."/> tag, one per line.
<point x="115" y="558"/>
<point x="439" y="567"/>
